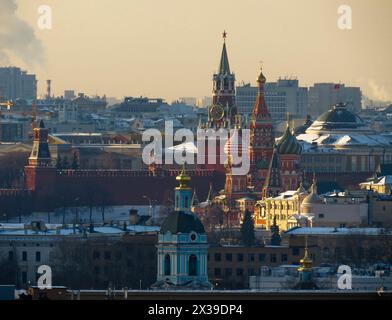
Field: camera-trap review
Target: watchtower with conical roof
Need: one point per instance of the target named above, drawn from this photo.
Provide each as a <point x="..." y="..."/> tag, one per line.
<point x="40" y="173"/>
<point x="261" y="138"/>
<point x="223" y="109"/>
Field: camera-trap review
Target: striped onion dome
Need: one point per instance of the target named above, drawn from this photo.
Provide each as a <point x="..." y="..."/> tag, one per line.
<point x="288" y="143"/>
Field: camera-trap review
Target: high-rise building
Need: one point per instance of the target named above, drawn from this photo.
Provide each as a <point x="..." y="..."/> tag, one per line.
<point x="324" y="95"/>
<point x="29" y="86"/>
<point x="284" y="96"/>
<point x="15" y="83"/>
<point x="69" y="94"/>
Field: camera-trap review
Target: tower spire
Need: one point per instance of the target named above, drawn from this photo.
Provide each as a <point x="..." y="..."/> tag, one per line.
<point x="224" y="67"/>
<point x="273" y="181"/>
<point x="260" y="109"/>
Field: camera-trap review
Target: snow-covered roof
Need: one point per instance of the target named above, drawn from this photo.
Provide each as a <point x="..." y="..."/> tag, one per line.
<point x="13" y="229"/>
<point x="336" y="231"/>
<point x="345" y="139"/>
<point x="285" y="195"/>
<point x="381" y="181"/>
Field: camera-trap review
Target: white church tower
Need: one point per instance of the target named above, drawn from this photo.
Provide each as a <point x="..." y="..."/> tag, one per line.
<point x="182" y="244"/>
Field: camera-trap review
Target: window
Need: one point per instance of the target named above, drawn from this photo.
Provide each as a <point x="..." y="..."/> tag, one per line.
<point x="96" y="255"/>
<point x="326" y="252"/>
<point x="96" y="270"/>
<point x="261" y="257"/>
<point x="240" y="272"/>
<point x="228" y="272"/>
<point x="38" y="256"/>
<point x="283" y="257"/>
<point x="24" y="256"/>
<point x="273" y="257"/>
<point x="192" y="264"/>
<point x="217" y="272"/>
<point x="251" y="257"/>
<point x="108" y="255"/>
<point x="167" y="266"/>
<point x="10" y="255"/>
<point x="24" y="277"/>
<point x="217" y="257"/>
<point x="251" y="272"/>
<point x="321" y="215"/>
<point x="240" y="257"/>
<point x="229" y="257"/>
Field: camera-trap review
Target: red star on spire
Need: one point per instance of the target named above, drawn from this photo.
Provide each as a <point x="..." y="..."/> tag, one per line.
<point x="224" y="34"/>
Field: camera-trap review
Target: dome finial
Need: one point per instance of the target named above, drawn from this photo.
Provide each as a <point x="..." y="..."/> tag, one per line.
<point x="313" y="188"/>
<point x="183" y="178"/>
<point x="261" y="78"/>
<point x="306" y="262"/>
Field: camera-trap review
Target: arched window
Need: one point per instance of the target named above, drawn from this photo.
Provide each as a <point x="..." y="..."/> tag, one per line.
<point x="192" y="265"/>
<point x="167" y="266"/>
<point x="326" y="252"/>
<point x="186" y="200"/>
<point x="177" y="201"/>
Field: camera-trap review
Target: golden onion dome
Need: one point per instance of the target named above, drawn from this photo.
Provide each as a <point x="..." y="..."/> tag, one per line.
<point x="306" y="262"/>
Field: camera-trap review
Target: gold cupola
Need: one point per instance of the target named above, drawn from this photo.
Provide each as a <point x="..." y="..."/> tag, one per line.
<point x="183" y="179"/>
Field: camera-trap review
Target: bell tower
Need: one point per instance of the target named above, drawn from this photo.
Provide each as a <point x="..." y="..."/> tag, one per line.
<point x="182" y="244"/>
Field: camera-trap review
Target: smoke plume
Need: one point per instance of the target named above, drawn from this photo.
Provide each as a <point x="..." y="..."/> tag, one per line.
<point x="17" y="38"/>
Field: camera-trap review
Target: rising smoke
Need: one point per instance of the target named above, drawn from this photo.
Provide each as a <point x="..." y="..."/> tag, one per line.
<point x="17" y="38"/>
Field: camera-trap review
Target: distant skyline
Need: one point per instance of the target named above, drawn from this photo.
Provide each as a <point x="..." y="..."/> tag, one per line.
<point x="171" y="48"/>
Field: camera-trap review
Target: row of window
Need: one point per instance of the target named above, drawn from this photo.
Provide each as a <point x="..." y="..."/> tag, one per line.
<point x="107" y="255"/>
<point x="228" y="272"/>
<point x="251" y="257"/>
<point x="31" y="244"/>
<point x="11" y="256"/>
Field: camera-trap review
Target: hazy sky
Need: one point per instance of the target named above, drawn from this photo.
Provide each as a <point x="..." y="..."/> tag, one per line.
<point x="171" y="48"/>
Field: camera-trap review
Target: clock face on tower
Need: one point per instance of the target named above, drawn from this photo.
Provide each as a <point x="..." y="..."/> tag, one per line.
<point x="217" y="112"/>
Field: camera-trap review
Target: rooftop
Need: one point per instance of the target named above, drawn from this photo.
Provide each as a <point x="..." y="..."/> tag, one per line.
<point x="337" y="231"/>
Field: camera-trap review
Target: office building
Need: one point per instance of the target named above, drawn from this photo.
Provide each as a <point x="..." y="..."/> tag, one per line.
<point x="324" y="95"/>
<point x="17" y="84"/>
<point x="282" y="97"/>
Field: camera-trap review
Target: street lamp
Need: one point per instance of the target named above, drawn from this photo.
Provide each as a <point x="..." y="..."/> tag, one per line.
<point x="76" y="210"/>
<point x="151" y="207"/>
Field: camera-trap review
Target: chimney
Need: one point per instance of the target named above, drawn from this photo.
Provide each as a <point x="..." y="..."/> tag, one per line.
<point x="133" y="216"/>
<point x="48" y="89"/>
